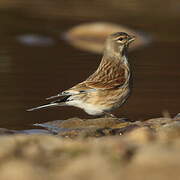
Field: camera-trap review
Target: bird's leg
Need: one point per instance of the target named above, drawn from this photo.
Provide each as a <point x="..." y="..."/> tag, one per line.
<point x="108" y="115"/>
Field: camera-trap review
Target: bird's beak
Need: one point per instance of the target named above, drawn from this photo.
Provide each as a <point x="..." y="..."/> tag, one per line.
<point x="131" y="39"/>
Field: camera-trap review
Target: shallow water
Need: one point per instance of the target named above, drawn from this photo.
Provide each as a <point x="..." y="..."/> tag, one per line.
<point x="30" y="73"/>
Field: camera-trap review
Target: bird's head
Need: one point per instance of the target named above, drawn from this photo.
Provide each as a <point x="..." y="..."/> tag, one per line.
<point x="118" y="42"/>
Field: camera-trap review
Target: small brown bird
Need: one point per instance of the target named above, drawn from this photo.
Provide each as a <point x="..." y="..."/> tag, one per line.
<point x="108" y="87"/>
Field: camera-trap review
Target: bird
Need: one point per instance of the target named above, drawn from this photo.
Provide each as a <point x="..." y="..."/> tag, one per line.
<point x="108" y="87"/>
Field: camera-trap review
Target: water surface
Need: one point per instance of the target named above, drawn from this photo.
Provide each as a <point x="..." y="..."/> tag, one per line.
<point x="30" y="73"/>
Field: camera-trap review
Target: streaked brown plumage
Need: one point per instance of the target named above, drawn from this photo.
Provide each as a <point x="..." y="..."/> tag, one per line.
<point x="108" y="87"/>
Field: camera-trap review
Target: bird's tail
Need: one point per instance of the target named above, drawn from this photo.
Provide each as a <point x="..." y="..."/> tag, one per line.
<point x="46" y="106"/>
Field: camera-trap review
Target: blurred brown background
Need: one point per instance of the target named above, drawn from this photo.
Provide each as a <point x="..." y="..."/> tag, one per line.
<point x="35" y="62"/>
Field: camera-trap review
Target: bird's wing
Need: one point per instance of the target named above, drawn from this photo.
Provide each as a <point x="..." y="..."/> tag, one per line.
<point x="77" y="89"/>
<point x="106" y="85"/>
<point x="109" y="75"/>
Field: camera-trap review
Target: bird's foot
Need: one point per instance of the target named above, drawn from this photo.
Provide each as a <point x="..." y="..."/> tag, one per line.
<point x="125" y="120"/>
<point x="109" y="115"/>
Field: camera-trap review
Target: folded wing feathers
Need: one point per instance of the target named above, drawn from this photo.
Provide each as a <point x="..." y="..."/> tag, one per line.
<point x="109" y="75"/>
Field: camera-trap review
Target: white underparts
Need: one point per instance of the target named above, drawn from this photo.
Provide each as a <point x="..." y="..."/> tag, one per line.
<point x="88" y="108"/>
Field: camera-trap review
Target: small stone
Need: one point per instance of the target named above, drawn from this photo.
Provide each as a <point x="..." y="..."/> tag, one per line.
<point x="141" y="135"/>
<point x="92" y="36"/>
<point x="169" y="131"/>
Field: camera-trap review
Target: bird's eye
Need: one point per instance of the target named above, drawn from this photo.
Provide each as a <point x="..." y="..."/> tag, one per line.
<point x="120" y="39"/>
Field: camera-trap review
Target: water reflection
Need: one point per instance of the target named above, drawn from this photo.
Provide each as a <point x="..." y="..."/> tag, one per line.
<point x="35" y="40"/>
